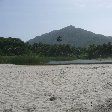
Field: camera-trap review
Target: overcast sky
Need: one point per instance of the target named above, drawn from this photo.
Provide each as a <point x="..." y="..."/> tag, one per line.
<point x="26" y="19"/>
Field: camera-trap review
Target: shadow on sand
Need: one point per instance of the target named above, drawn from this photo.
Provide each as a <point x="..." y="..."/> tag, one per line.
<point x="105" y="107"/>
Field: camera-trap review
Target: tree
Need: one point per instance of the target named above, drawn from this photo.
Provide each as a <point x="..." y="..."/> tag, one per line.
<point x="59" y="39"/>
<point x="12" y="46"/>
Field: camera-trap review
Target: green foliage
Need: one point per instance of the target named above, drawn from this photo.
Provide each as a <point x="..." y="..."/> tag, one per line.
<point x="15" y="51"/>
<point x="31" y="60"/>
<point x="11" y="46"/>
<point x="23" y="60"/>
<point x="52" y="50"/>
<point x="59" y="39"/>
<point x="100" y="51"/>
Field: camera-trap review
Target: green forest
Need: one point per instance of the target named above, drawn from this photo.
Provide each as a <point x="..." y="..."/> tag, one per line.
<point x="16" y="51"/>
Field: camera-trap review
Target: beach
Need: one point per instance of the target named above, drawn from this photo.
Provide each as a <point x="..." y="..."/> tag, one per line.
<point x="55" y="88"/>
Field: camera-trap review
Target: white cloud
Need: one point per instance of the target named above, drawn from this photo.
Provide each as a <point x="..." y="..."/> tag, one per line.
<point x="92" y="3"/>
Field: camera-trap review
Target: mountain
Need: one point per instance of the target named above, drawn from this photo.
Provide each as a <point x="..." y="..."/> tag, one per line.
<point x="73" y="36"/>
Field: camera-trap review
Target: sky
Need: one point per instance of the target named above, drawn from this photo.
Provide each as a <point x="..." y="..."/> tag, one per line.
<point x="26" y="19"/>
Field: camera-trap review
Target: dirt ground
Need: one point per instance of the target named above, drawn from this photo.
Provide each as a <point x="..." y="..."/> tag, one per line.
<point x="59" y="88"/>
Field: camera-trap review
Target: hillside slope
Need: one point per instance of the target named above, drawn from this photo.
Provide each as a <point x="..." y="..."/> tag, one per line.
<point x="74" y="36"/>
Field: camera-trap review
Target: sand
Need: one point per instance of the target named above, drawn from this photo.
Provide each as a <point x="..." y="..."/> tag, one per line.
<point x="59" y="88"/>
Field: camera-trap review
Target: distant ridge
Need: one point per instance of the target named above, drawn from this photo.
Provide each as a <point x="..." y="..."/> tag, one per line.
<point x="73" y="36"/>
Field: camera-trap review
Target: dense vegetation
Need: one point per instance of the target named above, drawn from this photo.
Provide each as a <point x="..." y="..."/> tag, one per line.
<point x="14" y="50"/>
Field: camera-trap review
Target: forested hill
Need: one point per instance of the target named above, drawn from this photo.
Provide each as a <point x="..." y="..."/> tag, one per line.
<point x="76" y="37"/>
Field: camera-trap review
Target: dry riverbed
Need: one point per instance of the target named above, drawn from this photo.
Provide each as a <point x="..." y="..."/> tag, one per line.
<point x="59" y="88"/>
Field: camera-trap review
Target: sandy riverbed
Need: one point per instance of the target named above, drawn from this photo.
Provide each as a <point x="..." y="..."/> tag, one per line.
<point x="61" y="88"/>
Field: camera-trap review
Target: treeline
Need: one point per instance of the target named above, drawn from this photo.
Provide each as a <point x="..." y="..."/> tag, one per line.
<point x="16" y="47"/>
<point x="12" y="46"/>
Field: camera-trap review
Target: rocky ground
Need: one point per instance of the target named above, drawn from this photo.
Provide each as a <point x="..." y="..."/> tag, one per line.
<point x="59" y="88"/>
